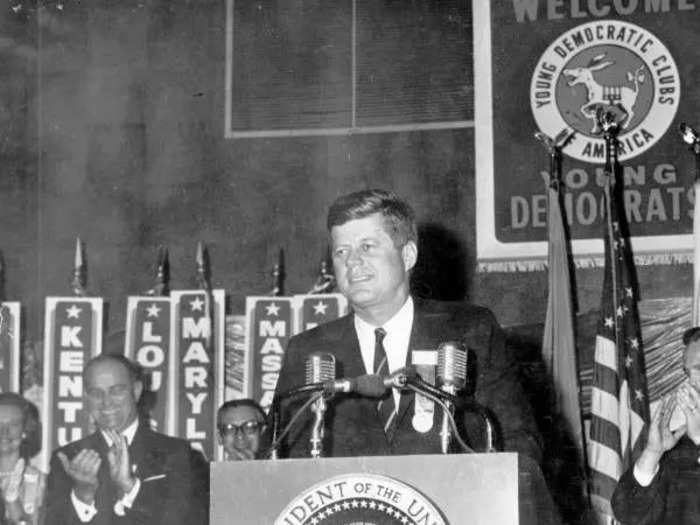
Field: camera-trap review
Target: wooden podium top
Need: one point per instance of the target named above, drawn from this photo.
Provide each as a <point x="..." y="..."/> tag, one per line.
<point x="459" y="489"/>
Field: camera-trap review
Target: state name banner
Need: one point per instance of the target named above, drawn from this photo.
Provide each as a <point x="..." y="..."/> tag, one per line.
<point x="148" y="344"/>
<point x="10" y="346"/>
<point x="271" y="322"/>
<point x="548" y="66"/>
<point x="197" y="367"/>
<point x="72" y="336"/>
<point x="315" y="309"/>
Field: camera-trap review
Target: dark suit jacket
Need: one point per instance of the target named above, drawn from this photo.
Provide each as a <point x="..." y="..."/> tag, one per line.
<point x="171" y="497"/>
<point x="353" y="426"/>
<point x="673" y="497"/>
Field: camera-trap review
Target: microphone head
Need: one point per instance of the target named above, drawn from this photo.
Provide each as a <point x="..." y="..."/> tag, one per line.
<point x="320" y="367"/>
<point x="452" y="364"/>
<point x="370" y="385"/>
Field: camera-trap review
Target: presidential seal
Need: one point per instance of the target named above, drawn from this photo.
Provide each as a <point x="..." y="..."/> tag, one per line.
<point x="360" y="499"/>
<point x="608" y="65"/>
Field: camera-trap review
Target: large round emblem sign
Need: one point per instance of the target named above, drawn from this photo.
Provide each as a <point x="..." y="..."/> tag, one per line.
<point x="610" y="65"/>
<point x="360" y="499"/>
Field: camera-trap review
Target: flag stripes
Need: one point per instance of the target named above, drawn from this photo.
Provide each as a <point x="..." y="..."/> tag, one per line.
<point x="619" y="399"/>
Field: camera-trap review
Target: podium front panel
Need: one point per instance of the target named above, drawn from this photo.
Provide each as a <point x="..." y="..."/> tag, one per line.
<point x="479" y="489"/>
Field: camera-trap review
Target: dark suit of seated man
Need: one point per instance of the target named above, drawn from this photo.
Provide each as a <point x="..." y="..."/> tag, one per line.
<point x="373" y="237"/>
<point x="124" y="473"/>
<point x="663" y="486"/>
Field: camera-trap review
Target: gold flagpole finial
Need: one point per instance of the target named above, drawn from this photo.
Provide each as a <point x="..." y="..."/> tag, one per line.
<point x="203" y="276"/>
<point x="278" y="276"/>
<point x="161" y="288"/>
<point x="79" y="281"/>
<point x="325" y="282"/>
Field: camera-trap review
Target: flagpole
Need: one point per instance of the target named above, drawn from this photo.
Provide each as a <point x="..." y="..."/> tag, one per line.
<point x="691" y="137"/>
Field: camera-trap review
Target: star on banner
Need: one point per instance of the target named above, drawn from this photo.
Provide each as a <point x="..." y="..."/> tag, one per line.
<point x="73" y="311"/>
<point x="609" y="322"/>
<point x="629" y="292"/>
<point x="320" y="308"/>
<point x="272" y="309"/>
<point x="197" y="304"/>
<point x="153" y="310"/>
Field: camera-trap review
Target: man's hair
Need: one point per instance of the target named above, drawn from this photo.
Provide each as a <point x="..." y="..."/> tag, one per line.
<point x="691" y="335"/>
<point x="236" y="403"/>
<point x="399" y="219"/>
<point x="133" y="370"/>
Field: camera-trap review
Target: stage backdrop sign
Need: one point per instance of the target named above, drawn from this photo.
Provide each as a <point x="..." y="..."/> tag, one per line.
<point x="196" y="384"/>
<point x="148" y="343"/>
<point x="9" y="346"/>
<point x="548" y="66"/>
<point x="72" y="336"/>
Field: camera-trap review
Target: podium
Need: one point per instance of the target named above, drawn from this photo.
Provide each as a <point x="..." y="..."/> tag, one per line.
<point x="460" y="489"/>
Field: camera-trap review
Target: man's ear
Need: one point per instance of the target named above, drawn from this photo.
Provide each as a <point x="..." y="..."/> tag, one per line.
<point x="138" y="390"/>
<point x="409" y="253"/>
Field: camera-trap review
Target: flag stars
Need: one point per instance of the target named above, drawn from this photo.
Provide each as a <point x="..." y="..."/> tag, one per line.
<point x="197" y="304"/>
<point x="629" y="292"/>
<point x="638" y="395"/>
<point x="609" y="322"/>
<point x="620" y="311"/>
<point x="634" y="343"/>
<point x="153" y="310"/>
<point x="73" y="312"/>
<point x="628" y="361"/>
<point x="320" y="308"/>
<point x="272" y="309"/>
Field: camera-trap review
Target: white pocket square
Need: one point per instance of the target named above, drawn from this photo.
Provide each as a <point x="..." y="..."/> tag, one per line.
<point x="153" y="478"/>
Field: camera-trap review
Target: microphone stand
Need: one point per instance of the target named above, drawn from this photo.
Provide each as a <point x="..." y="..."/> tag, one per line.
<point x="275" y="414"/>
<point x="317" y="431"/>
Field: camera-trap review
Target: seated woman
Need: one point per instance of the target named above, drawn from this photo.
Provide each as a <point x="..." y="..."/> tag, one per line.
<point x="22" y="485"/>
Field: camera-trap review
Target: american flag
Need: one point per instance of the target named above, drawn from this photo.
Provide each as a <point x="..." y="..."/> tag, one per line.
<point x="619" y="402"/>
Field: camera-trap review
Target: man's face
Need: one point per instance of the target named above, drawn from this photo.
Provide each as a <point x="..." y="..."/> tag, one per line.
<point x="691" y="364"/>
<point x="241" y="440"/>
<point x="371" y="271"/>
<point x="111" y="395"/>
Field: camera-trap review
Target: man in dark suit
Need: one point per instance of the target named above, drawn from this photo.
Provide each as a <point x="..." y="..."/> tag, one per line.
<point x="373" y="236"/>
<point x="124" y="473"/>
<point x="663" y="484"/>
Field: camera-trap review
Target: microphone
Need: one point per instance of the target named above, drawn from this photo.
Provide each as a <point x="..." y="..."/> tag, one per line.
<point x="320" y="368"/>
<point x="451" y="377"/>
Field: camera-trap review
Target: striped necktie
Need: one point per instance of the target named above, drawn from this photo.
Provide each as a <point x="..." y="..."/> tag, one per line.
<point x="386" y="406"/>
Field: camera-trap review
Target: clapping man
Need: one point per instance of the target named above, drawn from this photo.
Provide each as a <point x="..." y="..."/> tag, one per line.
<point x="663" y="485"/>
<point x="124" y="473"/>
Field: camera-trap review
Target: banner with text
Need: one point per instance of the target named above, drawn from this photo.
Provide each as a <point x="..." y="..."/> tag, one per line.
<point x="196" y="367"/>
<point x="636" y="59"/>
<point x="72" y="336"/>
<point x="10" y="369"/>
<point x="271" y="322"/>
<point x="148" y="344"/>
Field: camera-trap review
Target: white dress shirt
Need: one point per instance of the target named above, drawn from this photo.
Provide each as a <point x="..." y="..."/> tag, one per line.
<point x="398" y="335"/>
<point x="88" y="511"/>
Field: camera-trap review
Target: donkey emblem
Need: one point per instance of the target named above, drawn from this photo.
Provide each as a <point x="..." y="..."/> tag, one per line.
<point x="598" y="95"/>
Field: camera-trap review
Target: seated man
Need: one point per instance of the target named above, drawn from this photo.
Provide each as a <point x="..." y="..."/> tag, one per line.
<point x="124" y="473"/>
<point x="241" y="423"/>
<point x="662" y="486"/>
<point x="374" y="248"/>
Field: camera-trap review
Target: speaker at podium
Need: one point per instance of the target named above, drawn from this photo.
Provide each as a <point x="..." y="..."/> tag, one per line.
<point x="458" y="489"/>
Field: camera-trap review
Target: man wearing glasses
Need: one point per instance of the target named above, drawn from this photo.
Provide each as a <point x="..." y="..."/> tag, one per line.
<point x="662" y="486"/>
<point x="123" y="473"/>
<point x="241" y="423"/>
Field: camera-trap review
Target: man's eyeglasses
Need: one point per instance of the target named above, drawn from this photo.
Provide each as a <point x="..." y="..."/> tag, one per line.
<point x="249" y="428"/>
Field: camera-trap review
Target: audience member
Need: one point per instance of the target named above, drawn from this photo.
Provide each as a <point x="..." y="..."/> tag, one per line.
<point x="22" y="485"/>
<point x="124" y="473"/>
<point x="662" y="486"/>
<point x="241" y="423"/>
